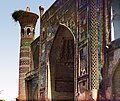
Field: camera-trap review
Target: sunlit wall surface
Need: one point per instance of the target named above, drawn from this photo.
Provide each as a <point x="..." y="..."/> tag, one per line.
<point x="115" y="14"/>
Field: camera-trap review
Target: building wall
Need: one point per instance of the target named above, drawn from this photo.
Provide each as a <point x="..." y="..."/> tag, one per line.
<point x="112" y="70"/>
<point x="31" y="78"/>
<point x="83" y="45"/>
<point x="89" y="23"/>
<point x="60" y="12"/>
<point x="85" y="19"/>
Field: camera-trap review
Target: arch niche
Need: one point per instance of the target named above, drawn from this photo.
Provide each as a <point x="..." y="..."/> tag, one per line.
<point x="116" y="83"/>
<point x="62" y="65"/>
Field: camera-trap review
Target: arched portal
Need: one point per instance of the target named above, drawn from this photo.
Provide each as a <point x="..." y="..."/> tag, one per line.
<point x="116" y="83"/>
<point x="62" y="65"/>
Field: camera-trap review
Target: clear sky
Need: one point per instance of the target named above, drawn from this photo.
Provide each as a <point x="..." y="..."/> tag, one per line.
<point x="10" y="42"/>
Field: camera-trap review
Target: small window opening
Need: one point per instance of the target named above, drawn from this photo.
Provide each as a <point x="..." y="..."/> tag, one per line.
<point x="28" y="31"/>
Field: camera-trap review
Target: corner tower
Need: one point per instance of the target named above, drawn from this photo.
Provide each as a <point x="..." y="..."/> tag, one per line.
<point x="27" y="21"/>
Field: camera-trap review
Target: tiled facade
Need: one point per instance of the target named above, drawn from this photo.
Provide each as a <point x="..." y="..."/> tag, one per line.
<point x="74" y="56"/>
<point x="84" y="20"/>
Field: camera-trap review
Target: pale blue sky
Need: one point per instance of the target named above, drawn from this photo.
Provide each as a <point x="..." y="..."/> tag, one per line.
<point x="10" y="41"/>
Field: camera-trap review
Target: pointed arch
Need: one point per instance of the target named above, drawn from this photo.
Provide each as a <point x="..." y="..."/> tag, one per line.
<point x="62" y="64"/>
<point x="28" y="31"/>
<point x="116" y="82"/>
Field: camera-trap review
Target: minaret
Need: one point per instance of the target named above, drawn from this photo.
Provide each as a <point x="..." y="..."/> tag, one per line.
<point x="27" y="22"/>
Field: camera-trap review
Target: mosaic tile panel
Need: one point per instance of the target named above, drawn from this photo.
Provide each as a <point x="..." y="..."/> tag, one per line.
<point x="94" y="44"/>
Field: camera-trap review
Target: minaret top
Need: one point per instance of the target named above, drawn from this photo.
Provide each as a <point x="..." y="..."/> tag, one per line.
<point x="41" y="10"/>
<point x="28" y="9"/>
<point x="25" y="18"/>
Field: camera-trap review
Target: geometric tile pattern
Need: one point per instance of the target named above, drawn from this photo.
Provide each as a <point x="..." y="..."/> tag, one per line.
<point x="94" y="44"/>
<point x="24" y="54"/>
<point x="24" y="62"/>
<point x="26" y="49"/>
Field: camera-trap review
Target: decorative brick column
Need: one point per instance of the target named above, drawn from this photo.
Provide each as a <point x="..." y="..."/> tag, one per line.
<point x="94" y="75"/>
